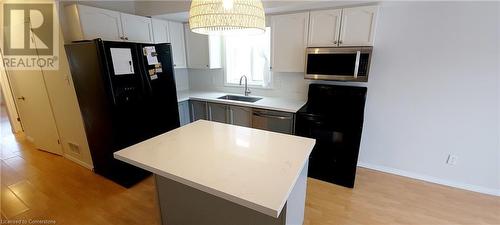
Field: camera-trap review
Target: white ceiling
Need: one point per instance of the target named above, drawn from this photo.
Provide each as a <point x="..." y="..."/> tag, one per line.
<point x="178" y="10"/>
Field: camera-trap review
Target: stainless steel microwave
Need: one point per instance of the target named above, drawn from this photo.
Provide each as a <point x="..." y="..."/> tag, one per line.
<point x="338" y="63"/>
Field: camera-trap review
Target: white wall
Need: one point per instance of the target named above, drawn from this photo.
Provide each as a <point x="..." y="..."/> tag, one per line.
<point x="433" y="90"/>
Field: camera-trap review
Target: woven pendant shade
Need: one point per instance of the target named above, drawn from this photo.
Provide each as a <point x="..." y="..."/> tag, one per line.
<point x="227" y="17"/>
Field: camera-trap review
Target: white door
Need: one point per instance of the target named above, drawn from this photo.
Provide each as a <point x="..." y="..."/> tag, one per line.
<point x="324" y="28"/>
<point x="35" y="110"/>
<point x="160" y="31"/>
<point x="289" y="41"/>
<point x="197" y="50"/>
<point x="176" y="36"/>
<point x="358" y="26"/>
<point x="137" y="28"/>
<point x="100" y="23"/>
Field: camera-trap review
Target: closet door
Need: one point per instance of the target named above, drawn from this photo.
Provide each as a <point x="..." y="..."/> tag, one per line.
<point x="35" y="111"/>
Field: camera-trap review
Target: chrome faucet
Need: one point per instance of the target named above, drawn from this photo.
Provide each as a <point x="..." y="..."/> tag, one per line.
<point x="247" y="90"/>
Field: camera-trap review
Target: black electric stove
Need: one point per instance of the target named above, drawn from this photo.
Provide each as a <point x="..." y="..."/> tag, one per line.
<point x="333" y="116"/>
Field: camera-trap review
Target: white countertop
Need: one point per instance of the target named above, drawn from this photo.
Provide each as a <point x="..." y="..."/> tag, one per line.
<point x="271" y="103"/>
<point x="253" y="168"/>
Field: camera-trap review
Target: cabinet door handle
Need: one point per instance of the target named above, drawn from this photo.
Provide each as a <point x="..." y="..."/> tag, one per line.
<point x="191" y="110"/>
<point x="209" y="113"/>
<point x="22" y="98"/>
<point x="231" y="116"/>
<point x="335" y="42"/>
<point x="126" y="38"/>
<point x="340" y="42"/>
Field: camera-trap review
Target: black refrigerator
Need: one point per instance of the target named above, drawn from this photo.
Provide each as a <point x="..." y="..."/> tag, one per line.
<point x="126" y="92"/>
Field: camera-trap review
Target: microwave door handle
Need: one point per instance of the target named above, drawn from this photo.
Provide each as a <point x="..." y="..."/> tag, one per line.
<point x="356" y="64"/>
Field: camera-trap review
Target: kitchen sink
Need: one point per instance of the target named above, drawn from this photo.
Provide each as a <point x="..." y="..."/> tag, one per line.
<point x="240" y="98"/>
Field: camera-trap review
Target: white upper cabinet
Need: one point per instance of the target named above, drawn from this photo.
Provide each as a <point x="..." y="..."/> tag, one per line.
<point x="86" y="23"/>
<point x="171" y="32"/>
<point x="342" y="27"/>
<point x="176" y="36"/>
<point x="203" y="51"/>
<point x="324" y="28"/>
<point x="137" y="28"/>
<point x="289" y="41"/>
<point x="197" y="50"/>
<point x="358" y="26"/>
<point x="160" y="31"/>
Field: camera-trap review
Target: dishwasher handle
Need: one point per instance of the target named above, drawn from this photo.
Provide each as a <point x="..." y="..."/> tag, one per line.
<point x="272" y="116"/>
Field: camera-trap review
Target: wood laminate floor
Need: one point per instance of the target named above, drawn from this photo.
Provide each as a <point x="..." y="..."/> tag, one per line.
<point x="39" y="185"/>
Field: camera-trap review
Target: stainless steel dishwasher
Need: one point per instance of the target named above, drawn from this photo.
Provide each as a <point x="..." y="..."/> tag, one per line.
<point x="276" y="121"/>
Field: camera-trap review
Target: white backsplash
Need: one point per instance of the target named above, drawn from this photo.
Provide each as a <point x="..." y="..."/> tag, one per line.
<point x="291" y="85"/>
<point x="181" y="79"/>
<point x="288" y="85"/>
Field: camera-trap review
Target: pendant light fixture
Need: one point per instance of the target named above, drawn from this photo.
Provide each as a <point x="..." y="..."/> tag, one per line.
<point x="217" y="17"/>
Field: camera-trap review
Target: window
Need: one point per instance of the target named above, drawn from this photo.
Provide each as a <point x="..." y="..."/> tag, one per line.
<point x="249" y="56"/>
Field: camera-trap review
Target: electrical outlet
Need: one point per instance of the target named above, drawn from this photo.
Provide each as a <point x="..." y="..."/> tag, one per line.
<point x="452" y="159"/>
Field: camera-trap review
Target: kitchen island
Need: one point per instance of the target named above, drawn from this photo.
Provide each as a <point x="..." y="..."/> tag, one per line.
<point x="214" y="173"/>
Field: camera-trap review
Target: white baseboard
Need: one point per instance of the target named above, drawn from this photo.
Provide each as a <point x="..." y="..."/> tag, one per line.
<point x="79" y="162"/>
<point x="469" y="187"/>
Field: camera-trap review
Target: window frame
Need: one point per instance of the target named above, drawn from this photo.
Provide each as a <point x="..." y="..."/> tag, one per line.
<point x="225" y="74"/>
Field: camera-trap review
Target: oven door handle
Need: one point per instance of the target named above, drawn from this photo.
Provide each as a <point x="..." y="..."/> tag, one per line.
<point x="356" y="64"/>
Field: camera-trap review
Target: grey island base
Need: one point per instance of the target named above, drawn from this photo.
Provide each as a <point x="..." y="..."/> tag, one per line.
<point x="210" y="173"/>
<point x="184" y="205"/>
